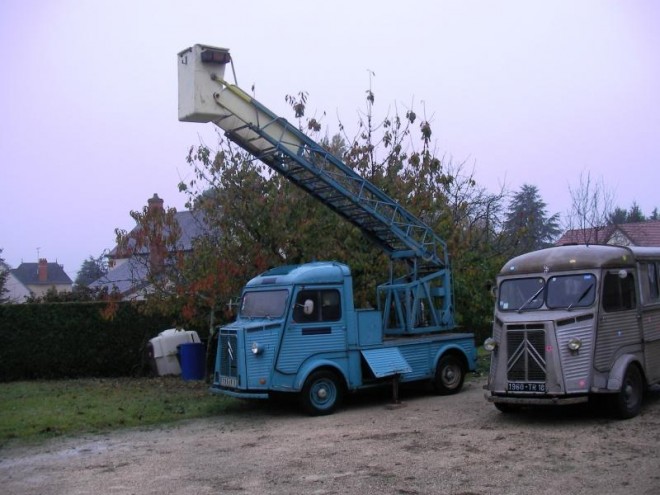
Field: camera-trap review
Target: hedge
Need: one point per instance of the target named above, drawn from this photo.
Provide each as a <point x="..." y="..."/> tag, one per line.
<point x="74" y="340"/>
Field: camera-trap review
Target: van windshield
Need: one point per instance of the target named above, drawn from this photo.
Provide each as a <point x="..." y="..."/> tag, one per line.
<point x="521" y="293"/>
<point x="571" y="291"/>
<point x="560" y="292"/>
<point x="264" y="304"/>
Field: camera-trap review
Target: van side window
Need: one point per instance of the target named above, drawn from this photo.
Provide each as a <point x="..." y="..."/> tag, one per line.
<point x="654" y="291"/>
<point x="330" y="305"/>
<point x="619" y="293"/>
<point x="327" y="306"/>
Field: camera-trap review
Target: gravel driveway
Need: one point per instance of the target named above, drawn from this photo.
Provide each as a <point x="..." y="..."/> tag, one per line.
<point x="428" y="444"/>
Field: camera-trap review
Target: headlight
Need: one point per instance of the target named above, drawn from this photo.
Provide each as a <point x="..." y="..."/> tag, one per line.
<point x="257" y="348"/>
<point x="574" y="344"/>
<point x="490" y="344"/>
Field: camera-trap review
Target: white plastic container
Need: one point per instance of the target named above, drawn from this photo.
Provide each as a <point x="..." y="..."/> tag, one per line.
<point x="163" y="350"/>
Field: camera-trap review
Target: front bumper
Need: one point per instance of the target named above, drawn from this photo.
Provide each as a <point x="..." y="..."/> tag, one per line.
<point x="553" y="400"/>
<point x="217" y="389"/>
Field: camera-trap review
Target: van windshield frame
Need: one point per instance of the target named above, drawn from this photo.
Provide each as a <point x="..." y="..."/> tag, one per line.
<point x="576" y="290"/>
<point x="569" y="291"/>
<point x="264" y="304"/>
<point x="516" y="294"/>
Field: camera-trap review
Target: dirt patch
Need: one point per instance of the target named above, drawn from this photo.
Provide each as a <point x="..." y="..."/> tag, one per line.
<point x="451" y="445"/>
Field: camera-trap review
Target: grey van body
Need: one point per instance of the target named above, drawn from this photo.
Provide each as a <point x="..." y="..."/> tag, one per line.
<point x="573" y="322"/>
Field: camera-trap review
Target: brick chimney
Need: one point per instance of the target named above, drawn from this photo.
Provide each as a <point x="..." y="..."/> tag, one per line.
<point x="156" y="242"/>
<point x="42" y="270"/>
<point x="155" y="202"/>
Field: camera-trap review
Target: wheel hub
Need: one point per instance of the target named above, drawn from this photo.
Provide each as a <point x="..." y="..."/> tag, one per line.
<point x="628" y="392"/>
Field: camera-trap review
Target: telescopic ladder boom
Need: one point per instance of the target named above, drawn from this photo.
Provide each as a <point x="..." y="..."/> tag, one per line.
<point x="205" y="96"/>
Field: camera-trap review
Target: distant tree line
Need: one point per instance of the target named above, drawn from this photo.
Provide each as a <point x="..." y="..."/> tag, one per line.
<point x="256" y="219"/>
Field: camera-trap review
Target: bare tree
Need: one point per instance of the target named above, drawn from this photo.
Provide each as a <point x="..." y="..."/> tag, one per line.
<point x="591" y="208"/>
<point x="475" y="212"/>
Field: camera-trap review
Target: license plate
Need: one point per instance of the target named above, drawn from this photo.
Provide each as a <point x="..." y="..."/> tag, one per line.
<point x="525" y="387"/>
<point x="229" y="381"/>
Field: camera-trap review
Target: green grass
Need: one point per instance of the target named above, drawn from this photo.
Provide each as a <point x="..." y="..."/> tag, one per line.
<point x="33" y="411"/>
<point x="30" y="411"/>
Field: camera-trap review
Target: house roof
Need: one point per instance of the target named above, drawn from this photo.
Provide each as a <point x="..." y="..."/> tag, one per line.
<point x="129" y="276"/>
<point x="192" y="224"/>
<point x="125" y="278"/>
<point x="636" y="234"/>
<point x="28" y="274"/>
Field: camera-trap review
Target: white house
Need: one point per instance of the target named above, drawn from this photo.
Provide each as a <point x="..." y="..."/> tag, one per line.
<point x="35" y="280"/>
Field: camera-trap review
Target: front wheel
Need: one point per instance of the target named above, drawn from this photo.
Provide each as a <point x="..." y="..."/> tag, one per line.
<point x="628" y="401"/>
<point x="449" y="376"/>
<point x="322" y="393"/>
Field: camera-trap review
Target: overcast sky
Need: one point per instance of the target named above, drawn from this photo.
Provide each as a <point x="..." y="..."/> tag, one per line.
<point x="524" y="91"/>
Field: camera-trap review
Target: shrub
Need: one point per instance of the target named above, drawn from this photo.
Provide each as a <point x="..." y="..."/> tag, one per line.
<point x="73" y="340"/>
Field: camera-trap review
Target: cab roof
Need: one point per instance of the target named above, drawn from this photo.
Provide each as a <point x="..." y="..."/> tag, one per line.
<point x="322" y="272"/>
<point x="578" y="257"/>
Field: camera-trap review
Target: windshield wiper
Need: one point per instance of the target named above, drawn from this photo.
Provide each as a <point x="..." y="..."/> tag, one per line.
<point x="522" y="306"/>
<point x="582" y="296"/>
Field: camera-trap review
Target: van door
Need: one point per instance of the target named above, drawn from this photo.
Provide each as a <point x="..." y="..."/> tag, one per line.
<point x="316" y="325"/>
<point x="619" y="323"/>
<point x="649" y="273"/>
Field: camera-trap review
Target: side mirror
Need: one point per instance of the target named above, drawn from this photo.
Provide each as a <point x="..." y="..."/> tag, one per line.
<point x="308" y="307"/>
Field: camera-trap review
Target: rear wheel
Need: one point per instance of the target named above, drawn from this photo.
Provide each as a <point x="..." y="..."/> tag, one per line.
<point x="449" y="376"/>
<point x="628" y="401"/>
<point x="322" y="393"/>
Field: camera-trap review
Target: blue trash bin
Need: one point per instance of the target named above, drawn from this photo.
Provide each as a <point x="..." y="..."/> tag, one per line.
<point x="191" y="358"/>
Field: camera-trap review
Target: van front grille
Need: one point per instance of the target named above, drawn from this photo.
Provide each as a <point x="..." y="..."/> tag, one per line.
<point x="228" y="354"/>
<point x="526" y="355"/>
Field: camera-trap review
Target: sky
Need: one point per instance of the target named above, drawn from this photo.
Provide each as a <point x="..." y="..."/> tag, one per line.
<point x="521" y="92"/>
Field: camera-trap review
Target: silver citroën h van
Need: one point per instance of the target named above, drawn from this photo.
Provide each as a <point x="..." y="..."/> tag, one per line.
<point x="573" y="322"/>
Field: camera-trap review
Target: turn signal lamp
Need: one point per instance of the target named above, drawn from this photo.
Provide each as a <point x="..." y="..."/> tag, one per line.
<point x="257" y="348"/>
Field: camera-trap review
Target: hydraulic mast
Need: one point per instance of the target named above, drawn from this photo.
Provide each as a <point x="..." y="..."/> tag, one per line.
<point x="419" y="302"/>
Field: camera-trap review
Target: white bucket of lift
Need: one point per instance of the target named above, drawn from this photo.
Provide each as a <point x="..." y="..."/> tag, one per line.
<point x="163" y="350"/>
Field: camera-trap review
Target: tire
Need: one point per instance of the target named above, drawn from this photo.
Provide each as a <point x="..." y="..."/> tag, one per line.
<point x="627" y="402"/>
<point x="449" y="376"/>
<point x="322" y="393"/>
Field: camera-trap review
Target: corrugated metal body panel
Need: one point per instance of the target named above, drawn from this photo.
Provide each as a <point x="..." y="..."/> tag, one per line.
<point x="300" y="342"/>
<point x="651" y="325"/>
<point x="497" y="335"/>
<point x="387" y="361"/>
<point x="652" y="361"/>
<point x="576" y="365"/>
<point x="259" y="366"/>
<point x="419" y="357"/>
<point x="615" y="330"/>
